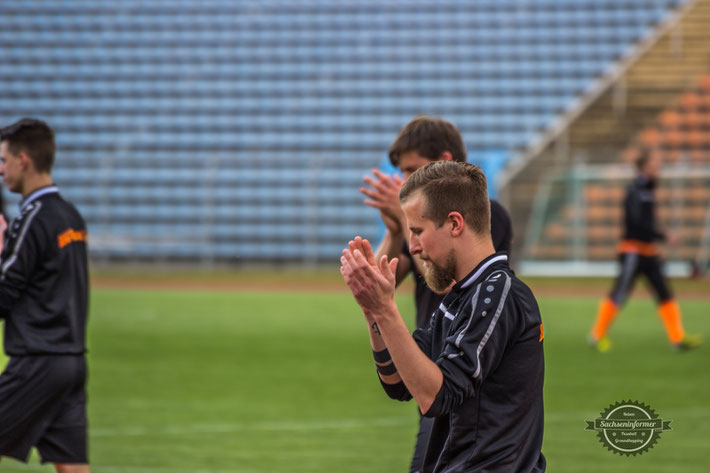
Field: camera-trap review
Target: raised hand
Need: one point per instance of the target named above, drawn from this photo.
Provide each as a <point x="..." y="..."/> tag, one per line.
<point x="383" y="194"/>
<point x="372" y="284"/>
<point x="363" y="245"/>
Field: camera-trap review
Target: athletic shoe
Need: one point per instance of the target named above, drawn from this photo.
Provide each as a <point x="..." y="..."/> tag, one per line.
<point x="603" y="345"/>
<point x="688" y="343"/>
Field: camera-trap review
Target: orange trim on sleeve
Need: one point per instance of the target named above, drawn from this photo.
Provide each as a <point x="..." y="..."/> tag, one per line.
<point x="542" y="333"/>
<point x="70" y="235"/>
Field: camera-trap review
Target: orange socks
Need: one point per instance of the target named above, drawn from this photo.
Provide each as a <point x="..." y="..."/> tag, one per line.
<point x="670" y="315"/>
<point x="668" y="311"/>
<point x="605" y="316"/>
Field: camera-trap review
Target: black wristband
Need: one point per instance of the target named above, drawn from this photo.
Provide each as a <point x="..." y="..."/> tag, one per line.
<point x="387" y="370"/>
<point x="381" y="356"/>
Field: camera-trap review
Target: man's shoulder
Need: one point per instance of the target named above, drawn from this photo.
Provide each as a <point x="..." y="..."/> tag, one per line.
<point x="498" y="282"/>
<point x="491" y="291"/>
<point x="47" y="215"/>
<point x="504" y="289"/>
<point x="56" y="203"/>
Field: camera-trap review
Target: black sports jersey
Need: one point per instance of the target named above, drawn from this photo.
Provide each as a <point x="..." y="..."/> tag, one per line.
<point x="426" y="301"/>
<point x="44" y="277"/>
<point x="486" y="337"/>
<point x="639" y="211"/>
<point x="501" y="228"/>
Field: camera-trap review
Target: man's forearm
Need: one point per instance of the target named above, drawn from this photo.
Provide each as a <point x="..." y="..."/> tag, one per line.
<point x="422" y="376"/>
<point x="385" y="365"/>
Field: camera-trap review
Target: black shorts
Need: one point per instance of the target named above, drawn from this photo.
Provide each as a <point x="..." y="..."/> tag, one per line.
<point x="633" y="265"/>
<point x="43" y="405"/>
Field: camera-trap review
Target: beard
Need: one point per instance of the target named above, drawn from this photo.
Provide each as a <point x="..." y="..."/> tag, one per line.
<point x="440" y="278"/>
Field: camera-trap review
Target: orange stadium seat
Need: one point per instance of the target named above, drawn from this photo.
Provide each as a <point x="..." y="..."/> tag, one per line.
<point x="650" y="137"/>
<point x="690" y="101"/>
<point x="691" y="118"/>
<point x="695" y="138"/>
<point x="700" y="156"/>
<point x="670" y="118"/>
<point x="672" y="138"/>
<point x="673" y="156"/>
<point x="698" y="192"/>
<point x="557" y="231"/>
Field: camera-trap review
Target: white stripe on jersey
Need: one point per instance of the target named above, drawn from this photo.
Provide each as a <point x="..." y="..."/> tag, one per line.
<point x="474" y="300"/>
<point x="457" y="342"/>
<point x="21" y="238"/>
<point x="446" y="312"/>
<point x="492" y="326"/>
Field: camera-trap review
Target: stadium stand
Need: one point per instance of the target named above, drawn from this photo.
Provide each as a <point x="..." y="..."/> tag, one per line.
<point x="239" y="131"/>
<point x="577" y="168"/>
<point x="682" y="136"/>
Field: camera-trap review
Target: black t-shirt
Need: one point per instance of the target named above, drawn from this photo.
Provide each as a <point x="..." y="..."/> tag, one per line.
<point x="640" y="211"/>
<point x="486" y="338"/>
<point x="501" y="228"/>
<point x="44" y="278"/>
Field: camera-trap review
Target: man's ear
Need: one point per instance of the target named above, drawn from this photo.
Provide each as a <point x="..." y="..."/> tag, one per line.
<point x="445" y="156"/>
<point x="456" y="223"/>
<point x="25" y="160"/>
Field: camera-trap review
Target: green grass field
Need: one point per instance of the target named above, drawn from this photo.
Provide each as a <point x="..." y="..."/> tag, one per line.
<point x="265" y="382"/>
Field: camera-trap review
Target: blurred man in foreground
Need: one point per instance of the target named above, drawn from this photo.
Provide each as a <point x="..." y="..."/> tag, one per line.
<point x="43" y="301"/>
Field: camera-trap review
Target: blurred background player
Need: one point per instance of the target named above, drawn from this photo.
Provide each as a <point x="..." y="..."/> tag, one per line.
<point x="638" y="254"/>
<point x="422" y="141"/>
<point x="43" y="301"/>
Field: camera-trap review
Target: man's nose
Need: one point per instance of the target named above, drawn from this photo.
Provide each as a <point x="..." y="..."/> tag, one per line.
<point x="414" y="246"/>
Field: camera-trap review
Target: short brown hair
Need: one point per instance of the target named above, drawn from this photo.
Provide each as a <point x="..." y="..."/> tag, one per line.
<point x="428" y="136"/>
<point x="452" y="187"/>
<point x="33" y="137"/>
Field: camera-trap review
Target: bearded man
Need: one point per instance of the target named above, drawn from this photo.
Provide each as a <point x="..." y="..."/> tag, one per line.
<point x="477" y="369"/>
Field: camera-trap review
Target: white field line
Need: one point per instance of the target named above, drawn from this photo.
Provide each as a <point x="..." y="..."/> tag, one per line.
<point x="344" y="424"/>
<point x="141" y="469"/>
<point x="290" y="426"/>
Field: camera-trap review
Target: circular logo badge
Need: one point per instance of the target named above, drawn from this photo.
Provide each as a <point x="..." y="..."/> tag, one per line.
<point x="628" y="427"/>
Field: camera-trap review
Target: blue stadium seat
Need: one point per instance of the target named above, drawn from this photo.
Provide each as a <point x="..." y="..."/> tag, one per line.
<point x="191" y="129"/>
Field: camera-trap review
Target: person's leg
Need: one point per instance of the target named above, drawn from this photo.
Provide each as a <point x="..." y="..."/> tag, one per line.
<point x="668" y="308"/>
<point x="28" y="401"/>
<point x="669" y="312"/>
<point x="606" y="314"/>
<point x="609" y="307"/>
<point x="64" y="442"/>
<point x="73" y="468"/>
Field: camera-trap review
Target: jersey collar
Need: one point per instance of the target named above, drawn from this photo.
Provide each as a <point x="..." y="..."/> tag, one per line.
<point x="482" y="267"/>
<point x="53" y="189"/>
